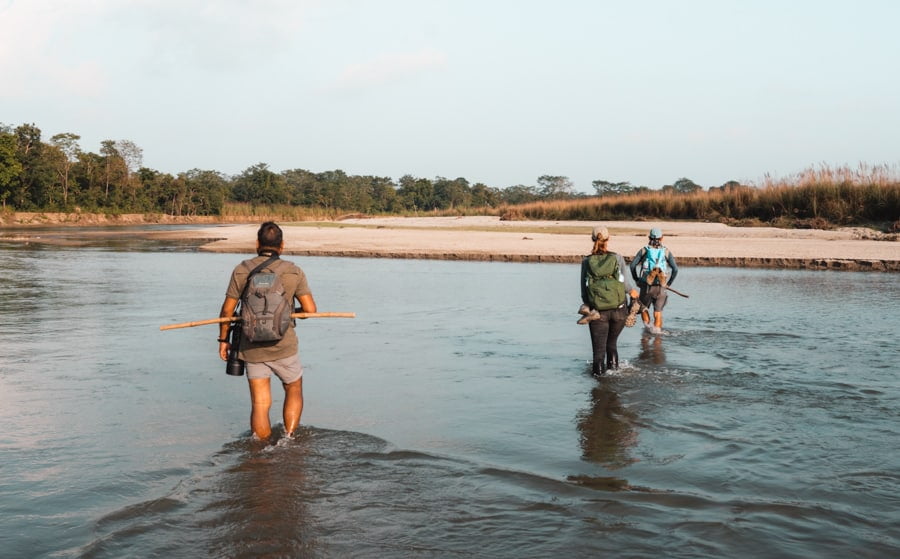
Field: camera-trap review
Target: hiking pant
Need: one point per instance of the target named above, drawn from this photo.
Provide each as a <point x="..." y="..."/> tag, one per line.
<point x="604" y="337"/>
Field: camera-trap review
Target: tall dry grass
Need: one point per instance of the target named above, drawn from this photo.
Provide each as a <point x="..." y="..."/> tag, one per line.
<point x="819" y="197"/>
<point x="277" y="212"/>
<point x="285" y="212"/>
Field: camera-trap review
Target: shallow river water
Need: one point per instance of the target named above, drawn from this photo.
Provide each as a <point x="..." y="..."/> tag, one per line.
<point x="455" y="416"/>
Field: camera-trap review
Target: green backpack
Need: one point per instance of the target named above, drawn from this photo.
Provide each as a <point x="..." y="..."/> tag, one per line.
<point x="605" y="291"/>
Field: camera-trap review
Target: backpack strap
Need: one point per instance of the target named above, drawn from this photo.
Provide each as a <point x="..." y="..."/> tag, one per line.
<point x="234" y="332"/>
<point x="256" y="270"/>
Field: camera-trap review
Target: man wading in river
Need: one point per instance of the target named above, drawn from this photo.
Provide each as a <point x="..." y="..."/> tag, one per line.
<point x="279" y="356"/>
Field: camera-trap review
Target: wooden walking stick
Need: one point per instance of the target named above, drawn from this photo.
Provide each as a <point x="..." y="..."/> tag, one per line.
<point x="677" y="292"/>
<point x="220" y="320"/>
<point x="657" y="273"/>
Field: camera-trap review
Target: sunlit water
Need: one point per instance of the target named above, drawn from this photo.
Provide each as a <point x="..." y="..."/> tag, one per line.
<point x="454" y="416"/>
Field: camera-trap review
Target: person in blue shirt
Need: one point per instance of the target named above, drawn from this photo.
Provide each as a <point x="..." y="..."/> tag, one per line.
<point x="653" y="268"/>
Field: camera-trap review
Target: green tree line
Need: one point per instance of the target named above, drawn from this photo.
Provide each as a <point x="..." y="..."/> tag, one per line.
<point x="58" y="175"/>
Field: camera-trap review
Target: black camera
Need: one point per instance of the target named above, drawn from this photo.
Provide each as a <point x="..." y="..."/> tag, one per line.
<point x="234" y="366"/>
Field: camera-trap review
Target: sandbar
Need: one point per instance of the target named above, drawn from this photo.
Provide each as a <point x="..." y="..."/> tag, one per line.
<point x="487" y="238"/>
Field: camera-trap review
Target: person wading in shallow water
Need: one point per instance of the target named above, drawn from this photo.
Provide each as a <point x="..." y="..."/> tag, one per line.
<point x="280" y="356"/>
<point x="654" y="268"/>
<point x="603" y="288"/>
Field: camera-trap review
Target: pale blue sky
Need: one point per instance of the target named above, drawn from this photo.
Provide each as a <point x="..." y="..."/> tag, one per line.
<point x="496" y="91"/>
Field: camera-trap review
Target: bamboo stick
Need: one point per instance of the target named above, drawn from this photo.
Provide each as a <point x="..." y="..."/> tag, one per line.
<point x="677" y="292"/>
<point x="220" y="320"/>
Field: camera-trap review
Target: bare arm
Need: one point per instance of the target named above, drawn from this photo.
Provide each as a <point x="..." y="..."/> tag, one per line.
<point x="307" y="303"/>
<point x="228" y="307"/>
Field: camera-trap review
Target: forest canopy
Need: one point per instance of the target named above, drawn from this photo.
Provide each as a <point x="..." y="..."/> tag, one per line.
<point x="58" y="175"/>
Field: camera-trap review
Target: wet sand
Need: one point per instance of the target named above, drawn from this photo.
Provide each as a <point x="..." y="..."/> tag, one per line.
<point x="489" y="239"/>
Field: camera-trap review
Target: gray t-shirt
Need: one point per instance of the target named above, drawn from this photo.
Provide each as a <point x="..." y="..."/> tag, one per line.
<point x="294" y="281"/>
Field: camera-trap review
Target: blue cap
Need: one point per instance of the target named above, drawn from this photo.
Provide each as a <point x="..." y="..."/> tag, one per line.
<point x="656" y="233"/>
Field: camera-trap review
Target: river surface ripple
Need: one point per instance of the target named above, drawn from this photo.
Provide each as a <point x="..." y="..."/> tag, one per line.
<point x="454" y="416"/>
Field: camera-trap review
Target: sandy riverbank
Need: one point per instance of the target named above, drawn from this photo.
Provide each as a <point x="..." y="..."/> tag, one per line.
<point x="488" y="238"/>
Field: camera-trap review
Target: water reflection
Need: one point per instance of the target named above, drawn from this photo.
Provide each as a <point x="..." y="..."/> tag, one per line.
<point x="256" y="505"/>
<point x="607" y="430"/>
<point x="651" y="350"/>
<point x="480" y="417"/>
<point x="261" y="504"/>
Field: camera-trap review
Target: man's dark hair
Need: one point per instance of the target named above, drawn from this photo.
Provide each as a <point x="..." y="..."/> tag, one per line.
<point x="269" y="237"/>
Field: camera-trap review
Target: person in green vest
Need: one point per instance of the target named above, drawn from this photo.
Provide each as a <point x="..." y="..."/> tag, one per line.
<point x="654" y="268"/>
<point x="604" y="284"/>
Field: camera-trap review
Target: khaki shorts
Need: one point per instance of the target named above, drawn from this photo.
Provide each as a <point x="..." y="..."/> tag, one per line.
<point x="288" y="369"/>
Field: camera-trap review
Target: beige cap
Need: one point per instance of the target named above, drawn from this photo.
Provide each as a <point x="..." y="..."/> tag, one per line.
<point x="600" y="233"/>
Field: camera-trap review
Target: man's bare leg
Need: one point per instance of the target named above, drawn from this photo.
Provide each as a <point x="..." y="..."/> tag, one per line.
<point x="293" y="406"/>
<point x="261" y="401"/>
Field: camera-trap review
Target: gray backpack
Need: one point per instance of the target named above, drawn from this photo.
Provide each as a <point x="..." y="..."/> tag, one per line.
<point x="265" y="307"/>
